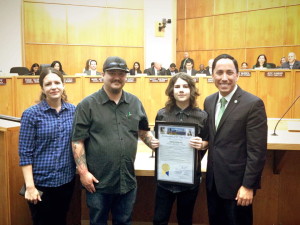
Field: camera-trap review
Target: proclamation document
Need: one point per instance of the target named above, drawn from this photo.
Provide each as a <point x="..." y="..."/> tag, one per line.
<point x="175" y="160"/>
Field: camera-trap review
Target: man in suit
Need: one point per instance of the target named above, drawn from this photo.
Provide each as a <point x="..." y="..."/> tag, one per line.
<point x="184" y="61"/>
<point x="157" y="70"/>
<point x="237" y="146"/>
<point x="292" y="63"/>
<point x="189" y="69"/>
<point x="172" y="70"/>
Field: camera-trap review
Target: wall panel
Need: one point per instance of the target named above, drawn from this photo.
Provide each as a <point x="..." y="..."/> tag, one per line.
<point x="125" y="27"/>
<point x="254" y="4"/>
<point x="180" y="39"/>
<point x="86" y="25"/>
<point x="238" y="54"/>
<point x="229" y="22"/>
<point x="198" y="37"/>
<point x="292" y="26"/>
<point x="224" y="6"/>
<point x="45" y="23"/>
<point x="128" y="4"/>
<point x="296" y="107"/>
<point x="264" y="27"/>
<point x="196" y="8"/>
<point x="180" y="9"/>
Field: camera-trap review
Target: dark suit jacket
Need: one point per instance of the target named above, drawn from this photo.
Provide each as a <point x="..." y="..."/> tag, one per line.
<point x="286" y="65"/>
<point x="193" y="71"/>
<point x="183" y="62"/>
<point x="168" y="72"/>
<point x="151" y="71"/>
<point x="237" y="150"/>
<point x="132" y="71"/>
<point x="88" y="72"/>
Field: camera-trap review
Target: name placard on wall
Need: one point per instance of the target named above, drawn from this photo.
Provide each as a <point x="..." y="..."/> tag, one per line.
<point x="30" y="80"/>
<point x="245" y="74"/>
<point x="70" y="80"/>
<point x="158" y="80"/>
<point x="96" y="80"/>
<point x="2" y="81"/>
<point x="275" y="74"/>
<point x="131" y="80"/>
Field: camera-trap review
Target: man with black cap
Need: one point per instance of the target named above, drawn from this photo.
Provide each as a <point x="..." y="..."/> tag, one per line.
<point x="106" y="128"/>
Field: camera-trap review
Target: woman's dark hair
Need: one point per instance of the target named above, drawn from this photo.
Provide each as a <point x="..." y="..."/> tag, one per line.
<point x="171" y="102"/>
<point x="60" y="66"/>
<point x="139" y="68"/>
<point x="34" y="65"/>
<point x="265" y="63"/>
<point x="43" y="74"/>
<point x="87" y="65"/>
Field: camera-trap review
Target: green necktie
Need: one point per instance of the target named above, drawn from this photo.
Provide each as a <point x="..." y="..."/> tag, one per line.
<point x="223" y="102"/>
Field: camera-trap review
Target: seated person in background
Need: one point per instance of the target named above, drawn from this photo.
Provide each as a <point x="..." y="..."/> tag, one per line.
<point x="92" y="68"/>
<point x="292" y="62"/>
<point x="282" y="60"/>
<point x="172" y="69"/>
<point x="87" y="65"/>
<point x="157" y="69"/>
<point x="57" y="65"/>
<point x="146" y="70"/>
<point x="136" y="69"/>
<point x="261" y="63"/>
<point x="34" y="70"/>
<point x="244" y="65"/>
<point x="208" y="70"/>
<point x="184" y="61"/>
<point x="201" y="68"/>
<point x="189" y="69"/>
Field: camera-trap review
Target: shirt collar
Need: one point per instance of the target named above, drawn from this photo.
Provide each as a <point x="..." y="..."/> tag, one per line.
<point x="105" y="98"/>
<point x="229" y="96"/>
<point x="45" y="106"/>
<point x="185" y="111"/>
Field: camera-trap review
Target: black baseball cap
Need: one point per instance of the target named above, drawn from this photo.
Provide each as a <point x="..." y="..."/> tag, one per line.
<point x="115" y="63"/>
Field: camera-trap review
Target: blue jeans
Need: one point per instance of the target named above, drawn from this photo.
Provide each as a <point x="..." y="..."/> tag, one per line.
<point x="120" y="205"/>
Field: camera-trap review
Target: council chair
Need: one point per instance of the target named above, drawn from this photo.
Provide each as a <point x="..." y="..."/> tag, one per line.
<point x="20" y="70"/>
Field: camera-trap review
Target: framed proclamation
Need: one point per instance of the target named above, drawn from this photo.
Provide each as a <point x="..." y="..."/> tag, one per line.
<point x="175" y="159"/>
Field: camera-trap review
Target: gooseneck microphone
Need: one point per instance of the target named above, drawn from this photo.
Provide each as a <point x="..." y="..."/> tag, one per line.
<point x="274" y="134"/>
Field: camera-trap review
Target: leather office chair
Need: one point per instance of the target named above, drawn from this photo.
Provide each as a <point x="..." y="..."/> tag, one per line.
<point x="272" y="65"/>
<point x="20" y="70"/>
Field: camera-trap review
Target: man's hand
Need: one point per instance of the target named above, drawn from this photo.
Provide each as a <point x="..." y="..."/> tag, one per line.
<point x="244" y="196"/>
<point x="87" y="179"/>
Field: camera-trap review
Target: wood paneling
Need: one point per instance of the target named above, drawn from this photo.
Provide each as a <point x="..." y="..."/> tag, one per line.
<point x="202" y="57"/>
<point x="254" y="4"/>
<point x="196" y="8"/>
<point x="101" y="3"/>
<point x="46" y="54"/>
<point x="128" y="4"/>
<point x="180" y="39"/>
<point x="81" y="54"/>
<point x="224" y="24"/>
<point x="292" y="2"/>
<point x="249" y="83"/>
<point x="292" y="27"/>
<point x="86" y="25"/>
<point x="74" y="90"/>
<point x="198" y="36"/>
<point x="7" y="97"/>
<point x="265" y="27"/>
<point x="274" y="90"/>
<point x="180" y="9"/>
<point x="225" y="6"/>
<point x="154" y="97"/>
<point x="125" y="27"/>
<point x="45" y="23"/>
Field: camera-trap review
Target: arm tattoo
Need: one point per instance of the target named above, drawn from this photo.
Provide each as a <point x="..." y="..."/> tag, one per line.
<point x="79" y="154"/>
<point x="146" y="137"/>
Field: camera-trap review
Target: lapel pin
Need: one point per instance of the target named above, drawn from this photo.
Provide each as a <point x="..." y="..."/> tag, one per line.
<point x="235" y="101"/>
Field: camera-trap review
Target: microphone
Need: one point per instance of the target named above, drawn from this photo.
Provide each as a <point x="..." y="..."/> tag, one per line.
<point x="274" y="134"/>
